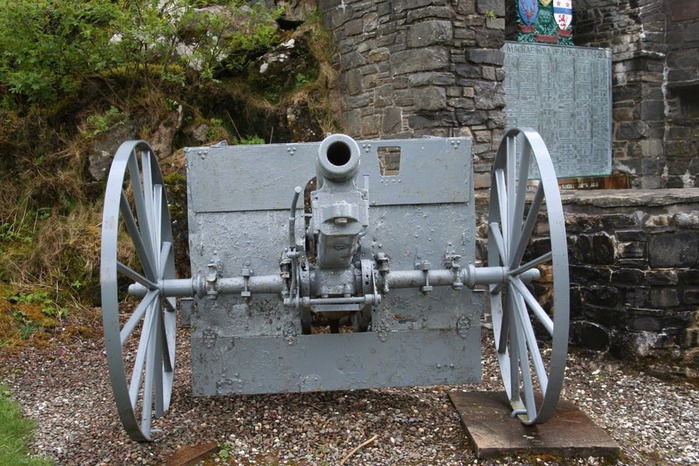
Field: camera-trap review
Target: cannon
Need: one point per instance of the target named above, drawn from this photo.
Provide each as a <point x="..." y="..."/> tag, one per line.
<point x="335" y="265"/>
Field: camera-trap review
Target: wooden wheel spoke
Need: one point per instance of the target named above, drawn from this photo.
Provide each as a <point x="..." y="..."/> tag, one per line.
<point x="514" y="349"/>
<point x="504" y="334"/>
<point x="532" y="263"/>
<point x="148" y="189"/>
<point x="151" y="205"/>
<point x="158" y="362"/>
<point x="139" y="198"/>
<point x="511" y="183"/>
<point x="164" y="255"/>
<point x="522" y="179"/>
<point x="168" y="364"/>
<point x="521" y="364"/>
<point x="496" y="236"/>
<point x="156" y="221"/>
<point x="169" y="304"/>
<point x="141" y="356"/>
<point x="528" y="385"/>
<point x="502" y="201"/>
<point x="166" y="258"/>
<point x="152" y="371"/>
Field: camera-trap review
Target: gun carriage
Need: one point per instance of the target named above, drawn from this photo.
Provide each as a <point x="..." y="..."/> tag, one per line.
<point x="335" y="265"/>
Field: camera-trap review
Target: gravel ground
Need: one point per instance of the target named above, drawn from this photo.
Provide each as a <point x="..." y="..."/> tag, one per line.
<point x="66" y="391"/>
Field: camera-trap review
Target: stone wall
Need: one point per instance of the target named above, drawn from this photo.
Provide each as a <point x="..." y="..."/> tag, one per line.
<point x="654" y="48"/>
<point x="634" y="273"/>
<point x="634" y="258"/>
<point x="434" y="67"/>
<point x="682" y="93"/>
<point x="409" y="68"/>
<point x="682" y="39"/>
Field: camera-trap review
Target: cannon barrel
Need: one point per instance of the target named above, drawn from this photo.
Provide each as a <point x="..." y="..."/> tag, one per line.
<point x="340" y="209"/>
<point x="338" y="159"/>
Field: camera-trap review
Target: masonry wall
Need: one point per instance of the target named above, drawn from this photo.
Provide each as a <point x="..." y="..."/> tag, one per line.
<point x="434" y="67"/>
<point x="655" y="71"/>
<point x="682" y="93"/>
<point x="634" y="273"/>
<point x="409" y="68"/>
<point x="634" y="258"/>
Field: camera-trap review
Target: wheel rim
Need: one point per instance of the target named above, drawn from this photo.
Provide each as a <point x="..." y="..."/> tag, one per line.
<point x="141" y="347"/>
<point x="533" y="378"/>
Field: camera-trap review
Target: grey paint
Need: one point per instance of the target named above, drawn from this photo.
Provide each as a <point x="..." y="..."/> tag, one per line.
<point x="262" y="177"/>
<point x="565" y="93"/>
<point x="344" y="361"/>
<point x="239" y="200"/>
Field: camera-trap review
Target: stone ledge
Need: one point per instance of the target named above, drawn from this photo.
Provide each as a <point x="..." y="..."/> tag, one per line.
<point x="617" y="197"/>
<point x="630" y="197"/>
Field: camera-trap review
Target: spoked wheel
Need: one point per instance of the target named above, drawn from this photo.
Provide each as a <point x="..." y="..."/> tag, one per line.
<point x="140" y="343"/>
<point x="532" y="369"/>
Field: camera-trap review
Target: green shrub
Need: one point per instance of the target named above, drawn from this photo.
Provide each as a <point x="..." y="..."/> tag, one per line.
<point x="102" y="122"/>
<point x="50" y="47"/>
<point x="227" y="41"/>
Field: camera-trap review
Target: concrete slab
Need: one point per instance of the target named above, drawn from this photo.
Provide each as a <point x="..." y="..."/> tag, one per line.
<point x="494" y="432"/>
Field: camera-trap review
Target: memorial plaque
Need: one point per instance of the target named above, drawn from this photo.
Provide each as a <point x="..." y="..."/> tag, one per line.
<point x="565" y="94"/>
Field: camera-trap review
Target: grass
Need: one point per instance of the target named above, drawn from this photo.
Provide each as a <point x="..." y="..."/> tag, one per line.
<point x="14" y="434"/>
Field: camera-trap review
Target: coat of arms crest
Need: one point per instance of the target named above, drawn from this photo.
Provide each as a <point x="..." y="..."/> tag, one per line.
<point x="528" y="10"/>
<point x="563" y="13"/>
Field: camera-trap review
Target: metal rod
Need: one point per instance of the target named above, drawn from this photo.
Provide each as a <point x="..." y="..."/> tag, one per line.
<point x="416" y="278"/>
<point x="185" y="287"/>
<point x="470" y="276"/>
<point x="340" y="300"/>
<point x="256" y="284"/>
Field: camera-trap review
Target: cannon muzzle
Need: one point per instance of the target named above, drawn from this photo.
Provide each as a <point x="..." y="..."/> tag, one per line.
<point x="338" y="159"/>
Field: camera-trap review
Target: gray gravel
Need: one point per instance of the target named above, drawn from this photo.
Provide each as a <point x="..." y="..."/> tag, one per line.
<point x="66" y="391"/>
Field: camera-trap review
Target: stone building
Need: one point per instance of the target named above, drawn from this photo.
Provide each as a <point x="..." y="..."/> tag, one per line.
<point x="655" y="49"/>
<point x="408" y="68"/>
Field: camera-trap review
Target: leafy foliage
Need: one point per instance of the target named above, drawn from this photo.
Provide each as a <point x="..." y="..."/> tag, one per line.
<point x="73" y="73"/>
<point x="102" y="122"/>
<point x="42" y="299"/>
<point x="70" y="71"/>
<point x="50" y="47"/>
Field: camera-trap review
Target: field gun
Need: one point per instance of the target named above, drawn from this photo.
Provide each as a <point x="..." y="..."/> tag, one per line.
<point x="335" y="265"/>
